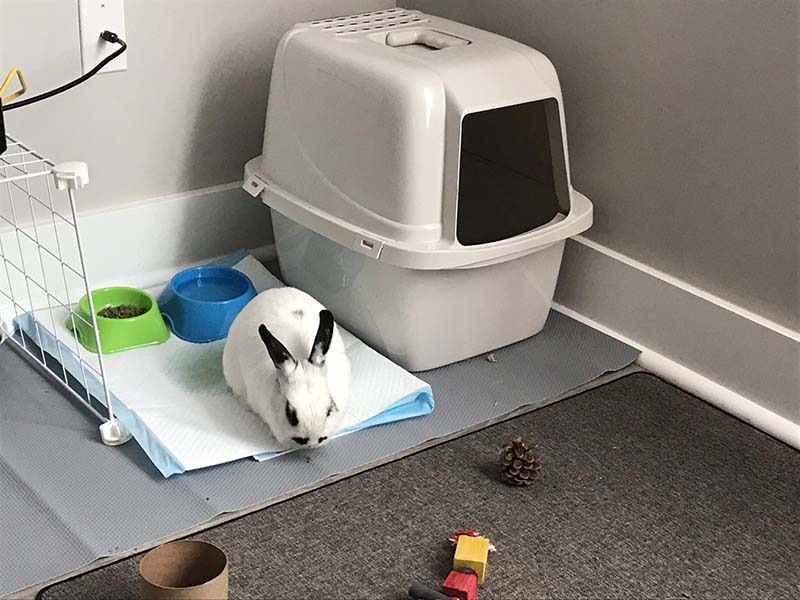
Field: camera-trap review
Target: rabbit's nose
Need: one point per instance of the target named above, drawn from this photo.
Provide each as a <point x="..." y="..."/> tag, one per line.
<point x="300" y="440"/>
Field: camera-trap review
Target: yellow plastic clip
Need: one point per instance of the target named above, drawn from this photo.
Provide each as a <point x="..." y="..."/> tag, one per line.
<point x="23" y="87"/>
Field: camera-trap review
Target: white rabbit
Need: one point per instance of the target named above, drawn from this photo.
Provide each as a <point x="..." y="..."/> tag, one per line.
<point x="286" y="360"/>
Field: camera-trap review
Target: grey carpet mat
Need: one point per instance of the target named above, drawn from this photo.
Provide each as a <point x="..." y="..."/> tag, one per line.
<point x="68" y="500"/>
<point x="645" y="492"/>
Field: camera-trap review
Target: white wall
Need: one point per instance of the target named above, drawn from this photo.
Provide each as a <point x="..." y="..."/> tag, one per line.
<point x="188" y="112"/>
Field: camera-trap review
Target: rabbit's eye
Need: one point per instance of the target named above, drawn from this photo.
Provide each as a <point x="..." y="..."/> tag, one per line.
<point x="301" y="441"/>
<point x="291" y="415"/>
<point x="322" y="439"/>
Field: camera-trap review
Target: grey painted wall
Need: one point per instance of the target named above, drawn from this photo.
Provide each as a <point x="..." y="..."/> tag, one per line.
<point x="682" y="120"/>
<point x="188" y="113"/>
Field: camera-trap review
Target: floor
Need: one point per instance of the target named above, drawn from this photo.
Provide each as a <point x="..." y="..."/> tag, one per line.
<point x="74" y="504"/>
<point x="645" y="491"/>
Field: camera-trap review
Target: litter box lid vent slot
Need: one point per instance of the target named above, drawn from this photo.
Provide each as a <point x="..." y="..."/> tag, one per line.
<point x="512" y="173"/>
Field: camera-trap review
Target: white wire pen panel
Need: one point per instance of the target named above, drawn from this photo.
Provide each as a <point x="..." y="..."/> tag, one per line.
<point x="43" y="275"/>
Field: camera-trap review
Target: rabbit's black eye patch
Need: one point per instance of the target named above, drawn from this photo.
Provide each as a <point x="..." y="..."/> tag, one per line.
<point x="291" y="415"/>
<point x="322" y="439"/>
<point x="299" y="440"/>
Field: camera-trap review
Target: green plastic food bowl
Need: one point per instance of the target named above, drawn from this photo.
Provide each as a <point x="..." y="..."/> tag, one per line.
<point x="116" y="335"/>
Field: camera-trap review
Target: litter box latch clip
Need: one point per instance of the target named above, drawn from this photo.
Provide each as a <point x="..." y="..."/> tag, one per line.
<point x="254" y="185"/>
<point x="367" y="245"/>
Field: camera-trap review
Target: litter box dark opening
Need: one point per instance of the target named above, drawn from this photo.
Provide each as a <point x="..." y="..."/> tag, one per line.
<point x="513" y="176"/>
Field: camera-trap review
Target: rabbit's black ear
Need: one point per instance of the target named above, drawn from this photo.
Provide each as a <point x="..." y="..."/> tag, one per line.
<point x="280" y="356"/>
<point x="322" y="342"/>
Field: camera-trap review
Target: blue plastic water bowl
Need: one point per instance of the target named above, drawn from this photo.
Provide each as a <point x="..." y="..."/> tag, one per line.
<point x="200" y="304"/>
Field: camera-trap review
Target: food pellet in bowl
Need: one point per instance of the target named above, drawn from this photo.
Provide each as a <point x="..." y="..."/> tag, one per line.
<point x="124" y="311"/>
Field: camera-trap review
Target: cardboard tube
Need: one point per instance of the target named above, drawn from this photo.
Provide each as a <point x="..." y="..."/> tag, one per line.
<point x="184" y="570"/>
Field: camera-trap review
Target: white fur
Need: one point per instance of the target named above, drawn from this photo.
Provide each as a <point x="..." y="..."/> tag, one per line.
<point x="292" y="316"/>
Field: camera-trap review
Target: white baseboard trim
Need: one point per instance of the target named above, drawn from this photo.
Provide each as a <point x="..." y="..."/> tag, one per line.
<point x="181" y="229"/>
<point x="702" y="387"/>
<point x="729" y="356"/>
<point x="140" y="244"/>
<point x="690" y="289"/>
<point x="264" y="254"/>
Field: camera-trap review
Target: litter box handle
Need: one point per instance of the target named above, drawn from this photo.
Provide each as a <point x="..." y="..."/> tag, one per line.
<point x="424" y="37"/>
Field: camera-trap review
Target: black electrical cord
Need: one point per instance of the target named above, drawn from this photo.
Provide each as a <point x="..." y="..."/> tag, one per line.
<point x="108" y="36"/>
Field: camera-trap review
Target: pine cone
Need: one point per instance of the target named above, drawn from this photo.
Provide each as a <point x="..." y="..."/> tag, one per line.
<point x="519" y="465"/>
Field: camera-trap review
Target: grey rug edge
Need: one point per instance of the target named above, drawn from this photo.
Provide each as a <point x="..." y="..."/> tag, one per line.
<point x="33" y="591"/>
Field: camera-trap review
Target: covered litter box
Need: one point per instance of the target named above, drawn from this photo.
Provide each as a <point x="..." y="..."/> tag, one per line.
<point x="418" y="176"/>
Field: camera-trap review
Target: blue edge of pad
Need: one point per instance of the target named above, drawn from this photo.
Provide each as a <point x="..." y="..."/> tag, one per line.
<point x="416" y="404"/>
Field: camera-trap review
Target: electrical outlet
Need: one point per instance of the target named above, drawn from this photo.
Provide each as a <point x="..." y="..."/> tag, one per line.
<point x="94" y="17"/>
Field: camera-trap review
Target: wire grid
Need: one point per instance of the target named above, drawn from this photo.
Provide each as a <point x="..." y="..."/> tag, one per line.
<point x="43" y="272"/>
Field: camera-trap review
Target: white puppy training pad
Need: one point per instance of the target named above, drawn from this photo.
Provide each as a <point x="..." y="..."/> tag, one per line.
<point x="174" y="399"/>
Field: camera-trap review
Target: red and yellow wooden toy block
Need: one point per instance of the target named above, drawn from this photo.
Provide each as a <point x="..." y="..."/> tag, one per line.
<point x="472" y="553"/>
